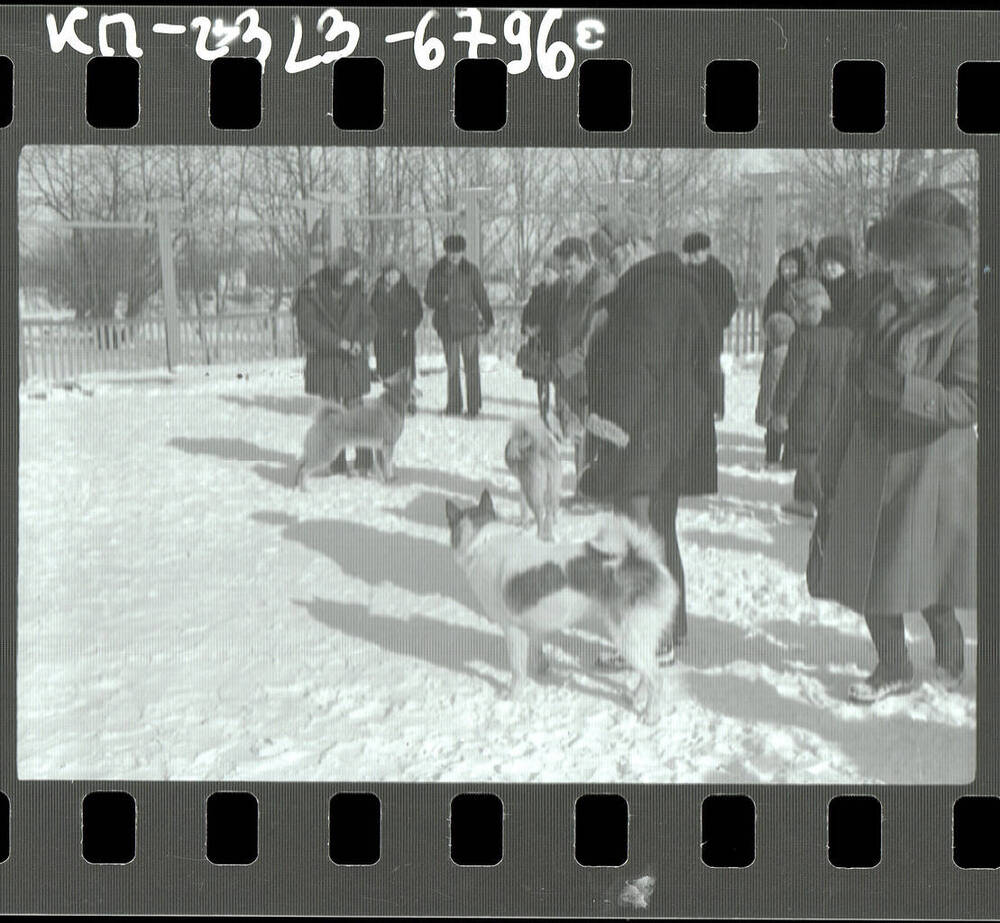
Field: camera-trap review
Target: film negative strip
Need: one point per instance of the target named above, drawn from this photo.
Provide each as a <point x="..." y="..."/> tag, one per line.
<point x="702" y="295"/>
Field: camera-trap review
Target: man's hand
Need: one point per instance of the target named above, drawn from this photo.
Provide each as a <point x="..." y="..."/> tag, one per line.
<point x="345" y="345"/>
<point x="779" y="423"/>
<point x="356" y="349"/>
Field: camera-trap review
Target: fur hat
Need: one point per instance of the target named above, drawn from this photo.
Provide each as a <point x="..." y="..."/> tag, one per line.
<point x="797" y="255"/>
<point x="778" y="328"/>
<point x="838" y="248"/>
<point x="930" y="226"/>
<point x="344" y="258"/>
<point x="454" y="243"/>
<point x="804" y="294"/>
<point x="699" y="240"/>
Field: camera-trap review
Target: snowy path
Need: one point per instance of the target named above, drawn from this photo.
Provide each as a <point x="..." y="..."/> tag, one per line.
<point x="184" y="615"/>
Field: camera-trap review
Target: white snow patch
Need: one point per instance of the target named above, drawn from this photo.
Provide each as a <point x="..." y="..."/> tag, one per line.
<point x="185" y="615"/>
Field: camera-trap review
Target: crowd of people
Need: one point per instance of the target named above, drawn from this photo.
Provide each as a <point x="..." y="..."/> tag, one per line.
<point x="868" y="391"/>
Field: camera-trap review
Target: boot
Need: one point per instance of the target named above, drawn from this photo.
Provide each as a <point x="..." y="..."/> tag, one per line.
<point x="884" y="681"/>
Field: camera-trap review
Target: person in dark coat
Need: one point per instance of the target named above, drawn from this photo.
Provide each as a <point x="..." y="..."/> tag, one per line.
<point x="807" y="389"/>
<point x="335" y="325"/>
<point x="720" y="301"/>
<point x="791" y="266"/>
<point x="835" y="267"/>
<point x="897" y="529"/>
<point x="778" y="332"/>
<point x="645" y="372"/>
<point x="586" y="283"/>
<point x="398" y="313"/>
<point x="457" y="296"/>
<point x="538" y="323"/>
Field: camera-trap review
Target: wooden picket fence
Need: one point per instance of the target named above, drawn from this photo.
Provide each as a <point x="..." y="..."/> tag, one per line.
<point x="59" y="350"/>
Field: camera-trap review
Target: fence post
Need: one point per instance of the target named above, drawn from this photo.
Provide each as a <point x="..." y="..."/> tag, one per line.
<point x="335" y="221"/>
<point x="171" y="312"/>
<point x="473" y="225"/>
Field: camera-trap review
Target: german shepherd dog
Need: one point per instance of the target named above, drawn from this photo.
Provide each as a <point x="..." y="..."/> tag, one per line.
<point x="531" y="589"/>
<point x="532" y="454"/>
<point x="373" y="424"/>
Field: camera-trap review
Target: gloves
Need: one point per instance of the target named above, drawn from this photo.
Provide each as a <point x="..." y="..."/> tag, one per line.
<point x="882" y="383"/>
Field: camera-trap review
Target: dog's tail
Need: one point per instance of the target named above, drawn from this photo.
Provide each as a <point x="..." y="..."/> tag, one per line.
<point x="527" y="436"/>
<point x="634" y="556"/>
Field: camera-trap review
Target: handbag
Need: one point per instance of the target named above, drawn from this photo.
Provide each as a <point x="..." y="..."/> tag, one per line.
<point x="533" y="360"/>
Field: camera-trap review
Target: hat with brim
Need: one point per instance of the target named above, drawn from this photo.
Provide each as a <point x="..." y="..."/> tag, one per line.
<point x="929" y="228"/>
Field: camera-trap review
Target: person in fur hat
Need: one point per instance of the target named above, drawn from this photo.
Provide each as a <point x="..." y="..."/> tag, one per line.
<point x="835" y="267"/>
<point x="398" y="313"/>
<point x="335" y="325"/>
<point x="897" y="526"/>
<point x="539" y="322"/>
<point x="808" y="387"/>
<point x="791" y="266"/>
<point x="778" y="330"/>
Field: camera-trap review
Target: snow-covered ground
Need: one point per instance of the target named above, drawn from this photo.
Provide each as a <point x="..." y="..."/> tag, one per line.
<point x="183" y="614"/>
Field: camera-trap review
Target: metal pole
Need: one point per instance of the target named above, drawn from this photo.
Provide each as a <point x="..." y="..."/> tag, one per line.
<point x="767" y="183"/>
<point x="335" y="219"/>
<point x="473" y="226"/>
<point x="165" y="232"/>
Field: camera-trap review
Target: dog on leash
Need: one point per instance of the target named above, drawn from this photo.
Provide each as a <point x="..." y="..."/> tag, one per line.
<point x="532" y="455"/>
<point x="373" y="424"/>
<point x="531" y="589"/>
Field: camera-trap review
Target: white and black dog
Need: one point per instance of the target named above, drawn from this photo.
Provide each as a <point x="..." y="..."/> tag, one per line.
<point x="531" y="589"/>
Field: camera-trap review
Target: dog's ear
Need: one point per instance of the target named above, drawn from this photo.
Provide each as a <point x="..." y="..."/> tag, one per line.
<point x="486" y="503"/>
<point x="453" y="513"/>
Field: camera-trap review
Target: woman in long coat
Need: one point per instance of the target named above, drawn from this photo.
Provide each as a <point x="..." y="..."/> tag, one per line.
<point x="897" y="526"/>
<point x="335" y="326"/>
<point x="398" y="312"/>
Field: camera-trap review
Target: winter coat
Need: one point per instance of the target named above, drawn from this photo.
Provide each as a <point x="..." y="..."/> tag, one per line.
<point x="326" y="313"/>
<point x="779" y="330"/>
<point x="774" y="299"/>
<point x="647" y="372"/>
<point x="810" y="381"/>
<point x="573" y="326"/>
<point x="542" y="310"/>
<point x="457" y="297"/>
<point x="719" y="299"/>
<point x="900" y="483"/>
<point x="398" y="313"/>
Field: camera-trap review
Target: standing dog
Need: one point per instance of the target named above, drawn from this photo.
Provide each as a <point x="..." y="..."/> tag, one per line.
<point x="532" y="454"/>
<point x="373" y="424"/>
<point x="532" y="589"/>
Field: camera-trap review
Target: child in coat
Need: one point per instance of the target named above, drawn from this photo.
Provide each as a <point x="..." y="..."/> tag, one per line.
<point x="808" y="387"/>
<point x="778" y="330"/>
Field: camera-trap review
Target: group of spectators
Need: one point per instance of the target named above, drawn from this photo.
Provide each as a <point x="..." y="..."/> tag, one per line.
<point x="868" y="390"/>
<point x="337" y="324"/>
<point x="631" y="340"/>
